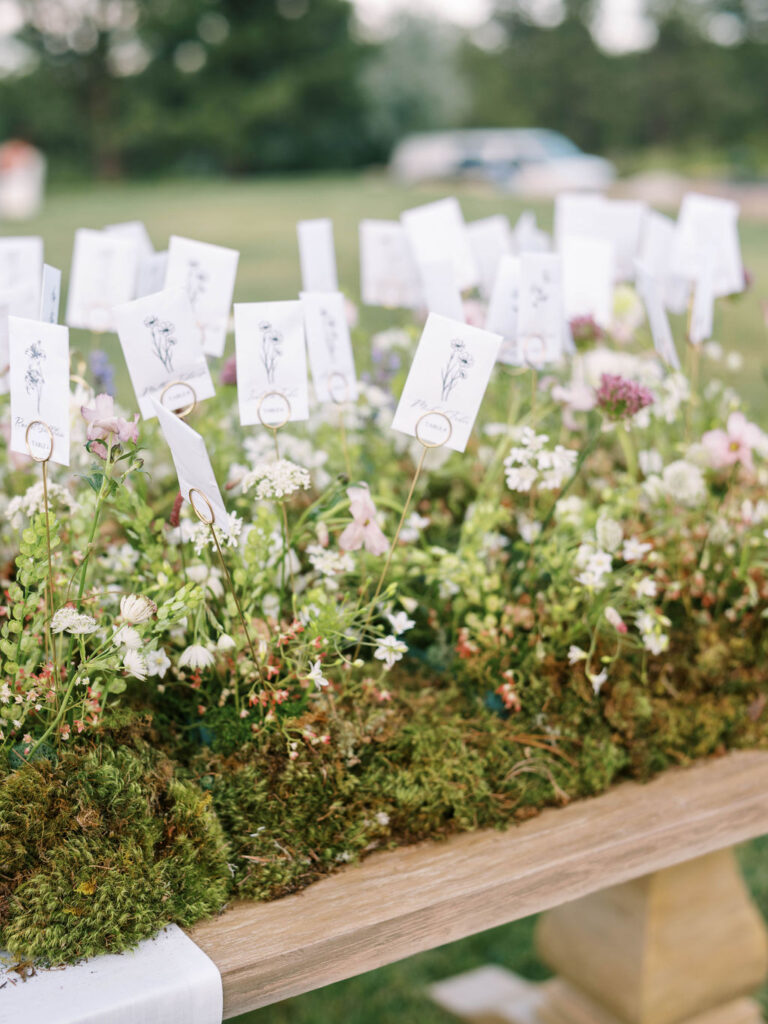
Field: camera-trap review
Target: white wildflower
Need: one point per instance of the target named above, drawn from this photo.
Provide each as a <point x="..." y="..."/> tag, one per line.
<point x="68" y="620"/>
<point x="328" y="562"/>
<point x="278" y="479"/>
<point x="158" y="663"/>
<point x="650" y="461"/>
<point x="32" y="502"/>
<point x="196" y="656"/>
<point x="684" y="483"/>
<point x="390" y="650"/>
<point x="136" y="608"/>
<point x="225" y="642"/>
<point x="646" y="587"/>
<point x="315" y="675"/>
<point x="127" y="636"/>
<point x="609" y="533"/>
<point x="576" y="654"/>
<point x="135" y="664"/>
<point x="400" y="623"/>
<point x="227" y="535"/>
<point x="521" y="478"/>
<point x="597" y="680"/>
<point x="634" y="550"/>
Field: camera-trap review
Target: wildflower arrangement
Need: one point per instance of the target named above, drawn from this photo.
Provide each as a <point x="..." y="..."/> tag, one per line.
<point x="582" y="595"/>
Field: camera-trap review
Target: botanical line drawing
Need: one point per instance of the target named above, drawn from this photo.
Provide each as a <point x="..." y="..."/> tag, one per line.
<point x="196" y="282"/>
<point x="163" y="339"/>
<point x="34" y="378"/>
<point x="540" y="290"/>
<point x="331" y="331"/>
<point x="271" y="348"/>
<point x="457" y="367"/>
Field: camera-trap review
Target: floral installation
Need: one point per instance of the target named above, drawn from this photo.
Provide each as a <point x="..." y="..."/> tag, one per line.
<point x="579" y="597"/>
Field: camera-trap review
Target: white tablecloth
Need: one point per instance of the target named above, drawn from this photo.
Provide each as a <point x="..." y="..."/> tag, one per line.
<point x="166" y="980"/>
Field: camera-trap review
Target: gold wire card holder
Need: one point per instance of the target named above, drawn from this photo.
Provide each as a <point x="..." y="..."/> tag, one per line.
<point x="169" y="398"/>
<point x="40" y="452"/>
<point x="340" y="396"/>
<point x="266" y="407"/>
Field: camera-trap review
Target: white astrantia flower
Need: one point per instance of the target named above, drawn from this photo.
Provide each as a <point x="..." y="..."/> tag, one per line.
<point x="196" y="656"/>
<point x="400" y="623"/>
<point x="158" y="663"/>
<point x="69" y="620"/>
<point x="279" y="479"/>
<point x="127" y="636"/>
<point x="315" y="675"/>
<point x="684" y="483"/>
<point x="136" y="608"/>
<point x="389" y="650"/>
<point x="135" y="664"/>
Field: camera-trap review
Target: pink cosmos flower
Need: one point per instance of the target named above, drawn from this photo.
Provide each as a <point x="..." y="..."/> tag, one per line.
<point x="103" y="422"/>
<point x="363" y="531"/>
<point x="620" y="398"/>
<point x="734" y="444"/>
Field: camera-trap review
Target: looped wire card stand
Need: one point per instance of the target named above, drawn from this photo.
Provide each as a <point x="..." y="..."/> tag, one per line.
<point x="39" y="453"/>
<point x="274" y="411"/>
<point x="169" y="397"/>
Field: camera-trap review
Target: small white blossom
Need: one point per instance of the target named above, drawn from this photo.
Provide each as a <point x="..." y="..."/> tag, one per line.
<point x="32" y="502"/>
<point x="390" y="650"/>
<point x="135" y="664"/>
<point x="646" y="587"/>
<point x="158" y="663"/>
<point x="609" y="533"/>
<point x="328" y="562"/>
<point x="634" y="550"/>
<point x="68" y="620"/>
<point x="576" y="654"/>
<point x="127" y="636"/>
<point x="196" y="656"/>
<point x="278" y="479"/>
<point x="597" y="680"/>
<point x="136" y="608"/>
<point x="225" y="642"/>
<point x="684" y="483"/>
<point x="315" y="675"/>
<point x="400" y="623"/>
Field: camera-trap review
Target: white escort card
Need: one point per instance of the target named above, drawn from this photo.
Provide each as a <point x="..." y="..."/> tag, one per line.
<point x="437" y="231"/>
<point x="271" y="362"/>
<point x="704" y="224"/>
<point x="440" y="292"/>
<point x="317" y="255"/>
<point x="389" y="276"/>
<point x="446" y="383"/>
<point x="193" y="467"/>
<point x="161" y="345"/>
<point x="136" y="231"/>
<point x="621" y="223"/>
<point x="50" y="294"/>
<point x="527" y="236"/>
<point x="588" y="276"/>
<point x="651" y="293"/>
<point x="21" y="272"/>
<point x="207" y="274"/>
<point x="654" y="256"/>
<point x="4" y="350"/>
<point x="39" y="383"/>
<point x="504" y="305"/>
<point x="151" y="275"/>
<point x="541" y="314"/>
<point x="103" y="275"/>
<point x="576" y="213"/>
<point x="331" y="359"/>
<point x="490" y="238"/>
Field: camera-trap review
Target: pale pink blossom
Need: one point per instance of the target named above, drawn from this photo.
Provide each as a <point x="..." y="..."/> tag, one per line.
<point x="734" y="444"/>
<point x="103" y="421"/>
<point x="363" y="531"/>
<point x="615" y="619"/>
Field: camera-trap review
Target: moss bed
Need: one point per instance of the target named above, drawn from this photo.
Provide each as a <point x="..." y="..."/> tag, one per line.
<point x="104" y="842"/>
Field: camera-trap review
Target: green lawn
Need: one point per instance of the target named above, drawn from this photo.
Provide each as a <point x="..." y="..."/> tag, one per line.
<point x="258" y="218"/>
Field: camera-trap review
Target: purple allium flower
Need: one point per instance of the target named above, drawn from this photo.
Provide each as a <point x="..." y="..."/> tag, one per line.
<point x="585" y="330"/>
<point x="229" y="371"/>
<point x="621" y="399"/>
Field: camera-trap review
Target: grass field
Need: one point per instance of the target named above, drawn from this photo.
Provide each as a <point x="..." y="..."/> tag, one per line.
<point x="258" y="218"/>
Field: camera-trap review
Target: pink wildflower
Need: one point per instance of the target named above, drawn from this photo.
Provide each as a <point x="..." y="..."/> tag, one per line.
<point x="229" y="371"/>
<point x="615" y="619"/>
<point x="103" y="422"/>
<point x="363" y="530"/>
<point x="621" y="399"/>
<point x="734" y="444"/>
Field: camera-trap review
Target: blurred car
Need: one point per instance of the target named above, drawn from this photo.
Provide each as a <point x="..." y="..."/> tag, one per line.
<point x="530" y="161"/>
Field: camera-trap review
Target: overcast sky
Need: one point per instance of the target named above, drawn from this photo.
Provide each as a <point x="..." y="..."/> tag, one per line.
<point x="620" y="25"/>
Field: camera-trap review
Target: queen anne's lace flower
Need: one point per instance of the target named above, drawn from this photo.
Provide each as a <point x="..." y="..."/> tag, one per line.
<point x="278" y="479"/>
<point x="32" y="502"/>
<point x="69" y="620"/>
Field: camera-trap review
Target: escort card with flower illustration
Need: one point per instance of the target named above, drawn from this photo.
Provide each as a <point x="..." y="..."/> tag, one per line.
<point x="39" y="384"/>
<point x="271" y="357"/>
<point x="50" y="294"/>
<point x="103" y="275"/>
<point x="490" y="238"/>
<point x="21" y="271"/>
<point x="437" y="231"/>
<point x="331" y="359"/>
<point x="161" y="344"/>
<point x="541" y="314"/>
<point x="503" y="307"/>
<point x="441" y="295"/>
<point x="446" y="382"/>
<point x="708" y="224"/>
<point x="207" y="274"/>
<point x="317" y="255"/>
<point x="193" y="466"/>
<point x="389" y="276"/>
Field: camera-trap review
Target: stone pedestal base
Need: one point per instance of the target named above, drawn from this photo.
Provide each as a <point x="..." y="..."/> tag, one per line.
<point x="685" y="945"/>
